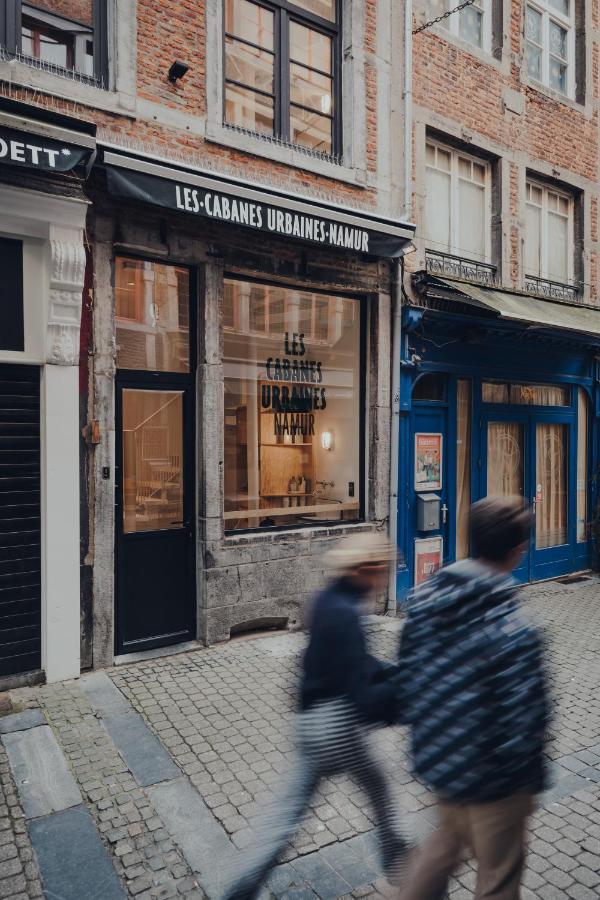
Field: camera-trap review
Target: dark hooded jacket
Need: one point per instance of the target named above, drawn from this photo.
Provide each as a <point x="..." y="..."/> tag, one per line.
<point x="337" y="663"/>
<point x="475" y="690"/>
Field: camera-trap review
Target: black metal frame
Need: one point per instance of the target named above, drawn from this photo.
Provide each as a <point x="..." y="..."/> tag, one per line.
<point x="10" y="36"/>
<point x="159" y="381"/>
<point x="284" y="12"/>
<point x="362" y="301"/>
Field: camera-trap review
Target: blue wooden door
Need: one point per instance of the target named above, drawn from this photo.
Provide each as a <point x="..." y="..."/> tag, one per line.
<point x="531" y="455"/>
<point x="553" y="471"/>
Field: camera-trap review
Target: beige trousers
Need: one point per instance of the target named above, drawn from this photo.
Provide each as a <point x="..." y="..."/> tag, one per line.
<point x="495" y="834"/>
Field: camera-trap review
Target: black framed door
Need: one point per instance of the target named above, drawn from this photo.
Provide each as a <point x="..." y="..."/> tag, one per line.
<point x="155" y="516"/>
<point x="155" y="455"/>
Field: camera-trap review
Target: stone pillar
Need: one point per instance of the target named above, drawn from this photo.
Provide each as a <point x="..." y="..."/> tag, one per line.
<point x="60" y="457"/>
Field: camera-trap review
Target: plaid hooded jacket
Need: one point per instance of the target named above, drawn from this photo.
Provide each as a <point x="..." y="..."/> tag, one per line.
<point x="475" y="692"/>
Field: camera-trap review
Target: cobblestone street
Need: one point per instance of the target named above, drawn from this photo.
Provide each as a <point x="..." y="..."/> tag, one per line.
<point x="154" y="771"/>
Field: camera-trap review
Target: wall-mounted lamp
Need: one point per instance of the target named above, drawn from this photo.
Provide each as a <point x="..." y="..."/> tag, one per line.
<point x="327" y="440"/>
<point x="177" y="71"/>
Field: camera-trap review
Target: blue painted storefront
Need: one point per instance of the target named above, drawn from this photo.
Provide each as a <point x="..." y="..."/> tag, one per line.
<point x="468" y="346"/>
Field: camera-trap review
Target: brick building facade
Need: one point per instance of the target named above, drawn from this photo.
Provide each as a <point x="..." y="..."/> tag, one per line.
<point x="215" y="261"/>
<point x="500" y="343"/>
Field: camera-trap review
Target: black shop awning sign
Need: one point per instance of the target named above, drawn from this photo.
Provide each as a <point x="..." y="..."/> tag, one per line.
<point x="243" y="204"/>
<point x="31" y="151"/>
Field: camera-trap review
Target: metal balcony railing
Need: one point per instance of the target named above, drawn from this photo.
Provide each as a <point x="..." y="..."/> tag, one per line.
<point x="552" y="290"/>
<point x="446" y="264"/>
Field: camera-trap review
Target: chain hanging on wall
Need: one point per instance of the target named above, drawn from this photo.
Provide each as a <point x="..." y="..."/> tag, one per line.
<point x="445" y="15"/>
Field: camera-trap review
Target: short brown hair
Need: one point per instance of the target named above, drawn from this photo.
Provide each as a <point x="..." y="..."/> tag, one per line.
<point x="498" y="526"/>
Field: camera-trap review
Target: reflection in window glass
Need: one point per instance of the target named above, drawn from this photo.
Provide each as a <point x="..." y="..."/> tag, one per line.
<point x="292" y="407"/>
<point x="282" y="87"/>
<point x="49" y="35"/>
<point x="549" y="32"/>
<point x="152" y="316"/>
<point x="152" y="460"/>
<point x="528" y="394"/>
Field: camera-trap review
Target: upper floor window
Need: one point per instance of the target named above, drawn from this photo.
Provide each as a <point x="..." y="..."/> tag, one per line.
<point x="63" y="36"/>
<point x="548" y="233"/>
<point x="549" y="44"/>
<point x="457" y="203"/>
<point x="472" y="23"/>
<point x="282" y="71"/>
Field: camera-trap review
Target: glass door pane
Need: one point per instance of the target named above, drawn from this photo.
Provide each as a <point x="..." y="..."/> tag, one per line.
<point x="551" y="453"/>
<point x="505" y="459"/>
<point x="152" y="460"/>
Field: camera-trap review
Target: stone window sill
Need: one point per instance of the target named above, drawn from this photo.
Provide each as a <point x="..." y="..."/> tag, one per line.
<point x="551" y="94"/>
<point x="307" y="533"/>
<point x="220" y="134"/>
<point x="487" y="57"/>
<point x="20" y="74"/>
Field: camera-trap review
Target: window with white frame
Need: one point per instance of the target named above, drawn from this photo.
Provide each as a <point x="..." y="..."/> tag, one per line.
<point x="548" y="233"/>
<point x="472" y="24"/>
<point x="457" y="203"/>
<point x="550" y="44"/>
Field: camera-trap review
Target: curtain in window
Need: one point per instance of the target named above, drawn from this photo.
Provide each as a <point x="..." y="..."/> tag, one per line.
<point x="463" y="466"/>
<point x="533" y="240"/>
<point x="551" y="483"/>
<point x="527" y="394"/>
<point x="472" y="220"/>
<point x="505" y="459"/>
<point x="437" y="210"/>
<point x="558" y="255"/>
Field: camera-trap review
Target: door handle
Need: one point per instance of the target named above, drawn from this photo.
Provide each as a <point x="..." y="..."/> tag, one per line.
<point x="444" y="514"/>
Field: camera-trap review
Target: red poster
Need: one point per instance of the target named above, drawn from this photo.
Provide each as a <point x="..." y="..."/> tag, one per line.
<point x="429" y="553"/>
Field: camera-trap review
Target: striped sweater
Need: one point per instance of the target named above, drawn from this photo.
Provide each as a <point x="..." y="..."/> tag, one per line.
<point x="475" y="691"/>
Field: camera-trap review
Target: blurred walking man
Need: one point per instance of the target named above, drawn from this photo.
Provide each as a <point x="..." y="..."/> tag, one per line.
<point x="343" y="689"/>
<point x="476" y="702"/>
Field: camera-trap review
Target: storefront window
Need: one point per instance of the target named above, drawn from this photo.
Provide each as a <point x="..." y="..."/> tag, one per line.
<point x="152" y="311"/>
<point x="529" y="394"/>
<point x="582" y="455"/>
<point x="292" y="406"/>
<point x="463" y="466"/>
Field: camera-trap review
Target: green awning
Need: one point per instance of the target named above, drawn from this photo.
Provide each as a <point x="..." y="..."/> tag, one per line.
<point x="525" y="308"/>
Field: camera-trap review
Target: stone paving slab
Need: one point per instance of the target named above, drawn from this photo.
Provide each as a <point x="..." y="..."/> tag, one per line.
<point x="73" y="861"/>
<point x="22" y="721"/>
<point x="144" y="754"/>
<point x="194" y="829"/>
<point x="43" y="780"/>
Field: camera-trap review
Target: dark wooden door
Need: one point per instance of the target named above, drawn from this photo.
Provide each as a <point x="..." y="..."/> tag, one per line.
<point x="20" y="535"/>
<point x="155" y="515"/>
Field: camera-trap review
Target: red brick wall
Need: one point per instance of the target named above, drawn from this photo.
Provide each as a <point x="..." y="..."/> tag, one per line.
<point x="467" y="90"/>
<point x="177" y="31"/>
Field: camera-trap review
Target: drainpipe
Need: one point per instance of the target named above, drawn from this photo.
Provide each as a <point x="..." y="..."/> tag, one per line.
<point x="397" y="310"/>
